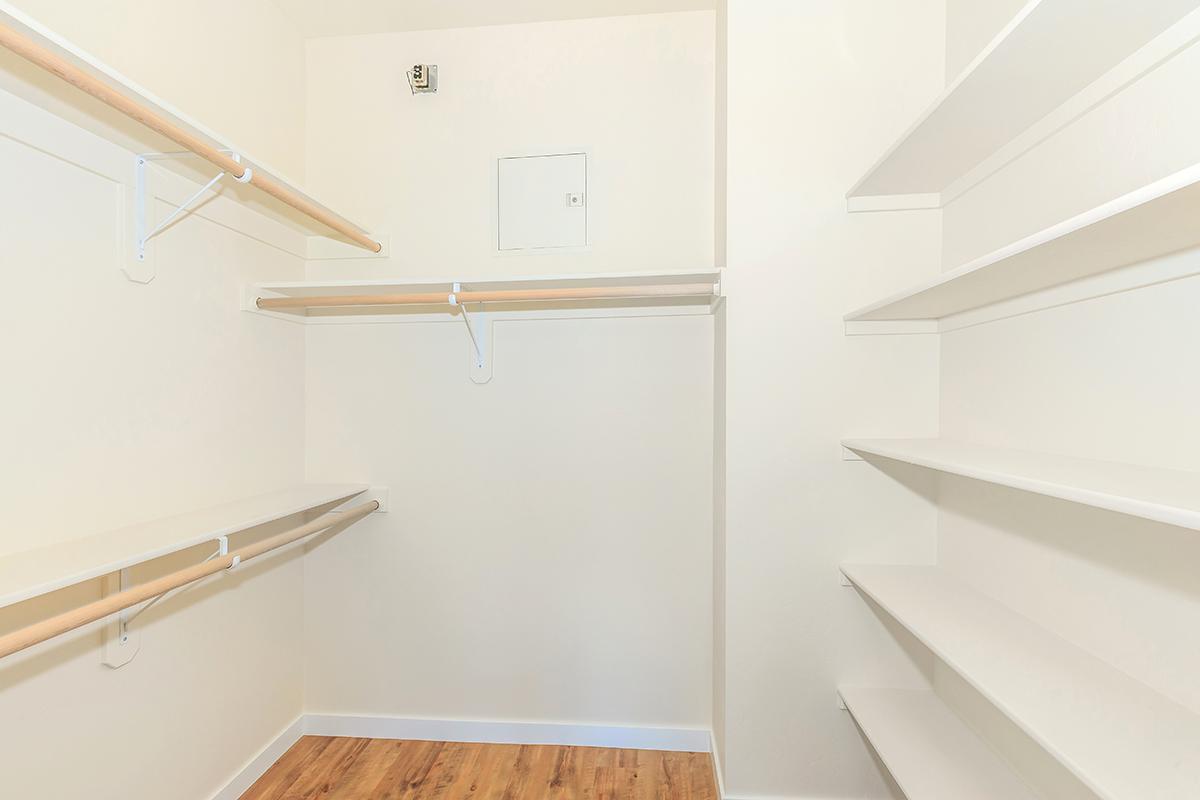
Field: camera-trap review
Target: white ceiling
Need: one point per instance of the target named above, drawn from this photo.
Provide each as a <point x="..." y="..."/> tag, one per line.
<point x="324" y="18"/>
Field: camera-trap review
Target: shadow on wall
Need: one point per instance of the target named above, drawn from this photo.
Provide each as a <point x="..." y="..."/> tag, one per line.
<point x="1142" y="550"/>
<point x="903" y="483"/>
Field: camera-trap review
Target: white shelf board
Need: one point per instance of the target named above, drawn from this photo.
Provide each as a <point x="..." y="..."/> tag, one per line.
<point x="36" y="572"/>
<point x="1163" y="495"/>
<point x="930" y="752"/>
<point x="36" y="85"/>
<point x="1049" y="52"/>
<point x="1122" y="739"/>
<point x="402" y="285"/>
<point x="1152" y="221"/>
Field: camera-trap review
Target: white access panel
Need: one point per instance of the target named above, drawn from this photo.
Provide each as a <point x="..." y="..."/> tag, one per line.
<point x="541" y="202"/>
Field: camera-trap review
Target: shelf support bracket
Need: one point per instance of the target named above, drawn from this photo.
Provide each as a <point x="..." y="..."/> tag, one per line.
<point x="120" y="643"/>
<point x="142" y="270"/>
<point x="222" y="550"/>
<point x="481" y="338"/>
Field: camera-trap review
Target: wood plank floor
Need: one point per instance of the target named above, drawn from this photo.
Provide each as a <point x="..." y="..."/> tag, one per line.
<point x="335" y="768"/>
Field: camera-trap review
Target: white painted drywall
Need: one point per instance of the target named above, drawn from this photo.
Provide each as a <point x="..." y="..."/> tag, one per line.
<point x="721" y="145"/>
<point x="124" y="402"/>
<point x="635" y="92"/>
<point x="548" y="556"/>
<point x="236" y="66"/>
<point x="816" y="91"/>
<point x="720" y="496"/>
<point x="720" y="384"/>
<point x="549" y="552"/>
<point x="319" y="18"/>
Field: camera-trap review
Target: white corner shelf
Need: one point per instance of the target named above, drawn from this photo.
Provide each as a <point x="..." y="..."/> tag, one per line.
<point x="31" y="573"/>
<point x="1153" y="221"/>
<point x="930" y="752"/>
<point x="1047" y="54"/>
<point x="1162" y="495"/>
<point x="689" y="305"/>
<point x="31" y="82"/>
<point x="1122" y="739"/>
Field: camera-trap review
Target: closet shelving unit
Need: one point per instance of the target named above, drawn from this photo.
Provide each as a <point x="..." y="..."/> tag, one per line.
<point x="1162" y="495"/>
<point x="1153" y="221"/>
<point x="478" y="303"/>
<point x="31" y="573"/>
<point x="92" y="95"/>
<point x="692" y="292"/>
<point x="1046" y="56"/>
<point x="37" y="572"/>
<point x="95" y="96"/>
<point x="930" y="753"/>
<point x="1052" y="63"/>
<point x="1121" y="739"/>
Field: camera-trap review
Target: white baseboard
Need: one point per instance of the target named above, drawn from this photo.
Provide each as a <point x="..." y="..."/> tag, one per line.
<point x="691" y="740"/>
<point x="694" y="740"/>
<point x="262" y="762"/>
<point x="715" y="752"/>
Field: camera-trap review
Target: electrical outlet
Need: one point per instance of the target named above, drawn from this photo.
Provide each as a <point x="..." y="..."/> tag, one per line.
<point x="423" y="78"/>
<point x="574" y="199"/>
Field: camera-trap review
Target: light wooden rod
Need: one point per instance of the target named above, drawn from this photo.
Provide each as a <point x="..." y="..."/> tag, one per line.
<point x="70" y="620"/>
<point x="81" y="79"/>
<point x="497" y="296"/>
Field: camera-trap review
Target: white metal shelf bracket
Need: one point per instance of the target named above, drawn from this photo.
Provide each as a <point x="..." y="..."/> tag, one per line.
<point x="480" y="335"/>
<point x="120" y="644"/>
<point x="121" y="641"/>
<point x="142" y="270"/>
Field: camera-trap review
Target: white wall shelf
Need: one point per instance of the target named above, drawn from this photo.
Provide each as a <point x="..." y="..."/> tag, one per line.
<point x="930" y="752"/>
<point x="1153" y="221"/>
<point x="1049" y="52"/>
<point x="1122" y="739"/>
<point x="65" y="100"/>
<point x="36" y="572"/>
<point x="478" y="303"/>
<point x="440" y="312"/>
<point x="1163" y="495"/>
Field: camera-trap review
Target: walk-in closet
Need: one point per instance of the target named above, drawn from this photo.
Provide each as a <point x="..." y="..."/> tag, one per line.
<point x="600" y="400"/>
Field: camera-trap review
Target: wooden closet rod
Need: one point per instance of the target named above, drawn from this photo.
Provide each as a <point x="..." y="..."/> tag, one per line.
<point x="56" y="64"/>
<point x="70" y="620"/>
<point x="497" y="296"/>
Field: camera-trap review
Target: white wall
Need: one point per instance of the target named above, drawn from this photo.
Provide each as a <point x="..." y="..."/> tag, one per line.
<point x="549" y="556"/>
<point x="320" y="18"/>
<point x="816" y="91"/>
<point x="1105" y="378"/>
<point x="720" y="385"/>
<point x="235" y="66"/>
<point x="636" y="91"/>
<point x="124" y="402"/>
